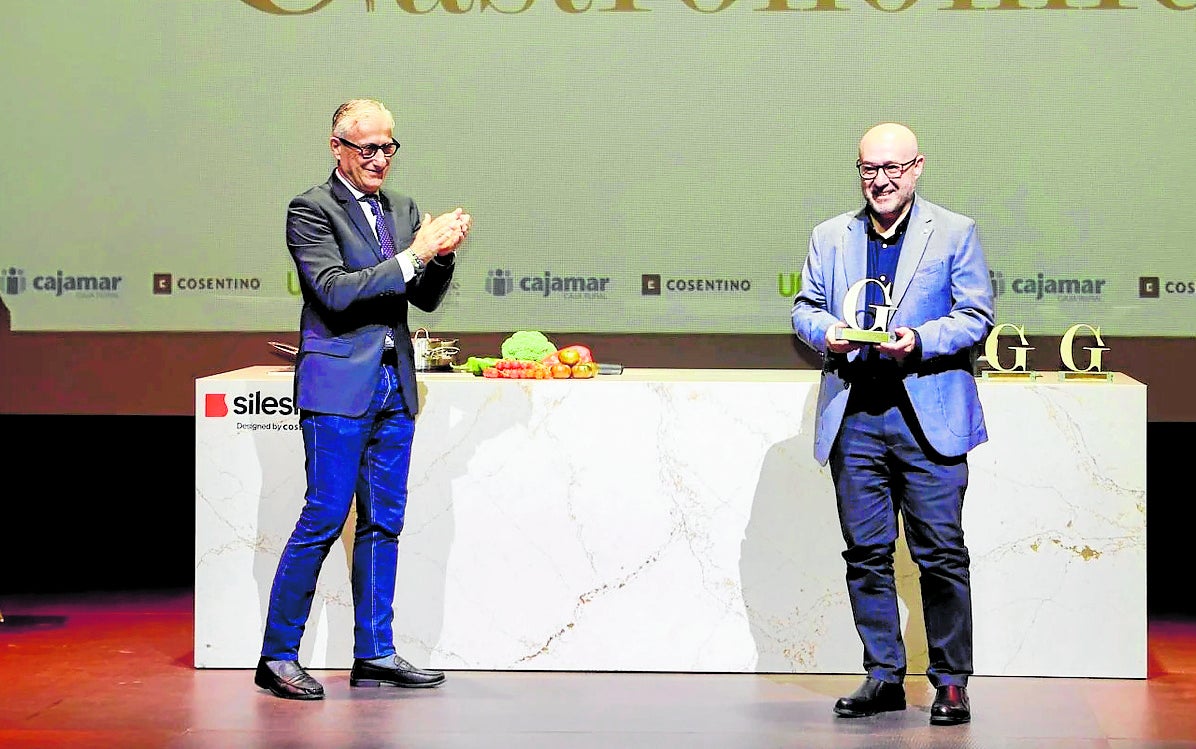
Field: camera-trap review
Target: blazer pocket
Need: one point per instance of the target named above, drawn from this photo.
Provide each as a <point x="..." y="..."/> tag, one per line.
<point x="931" y="269"/>
<point x="331" y="346"/>
<point x="930" y="276"/>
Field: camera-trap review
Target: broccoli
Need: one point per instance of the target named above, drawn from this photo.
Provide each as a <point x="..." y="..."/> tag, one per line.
<point x="528" y="345"/>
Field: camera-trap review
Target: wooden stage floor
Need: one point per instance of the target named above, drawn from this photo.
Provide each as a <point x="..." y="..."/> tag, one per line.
<point x="114" y="670"/>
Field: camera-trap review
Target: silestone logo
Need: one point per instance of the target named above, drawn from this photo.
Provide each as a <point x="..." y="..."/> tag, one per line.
<point x="502" y="282"/>
<point x="215" y="405"/>
<point x="1041" y="286"/>
<point x="653" y="284"/>
<point x="60" y="283"/>
<point x="166" y="283"/>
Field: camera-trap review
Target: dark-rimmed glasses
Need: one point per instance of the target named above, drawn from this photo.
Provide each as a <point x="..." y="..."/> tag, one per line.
<point x="892" y="171"/>
<point x="370" y="150"/>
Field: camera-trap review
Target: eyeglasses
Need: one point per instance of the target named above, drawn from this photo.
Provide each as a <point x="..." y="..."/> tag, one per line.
<point x="370" y="150"/>
<point x="892" y="171"/>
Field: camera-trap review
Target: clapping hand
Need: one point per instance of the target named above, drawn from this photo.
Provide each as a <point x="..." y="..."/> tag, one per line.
<point x="443" y="234"/>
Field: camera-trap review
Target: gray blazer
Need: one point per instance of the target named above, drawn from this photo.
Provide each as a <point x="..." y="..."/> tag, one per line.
<point x="941" y="289"/>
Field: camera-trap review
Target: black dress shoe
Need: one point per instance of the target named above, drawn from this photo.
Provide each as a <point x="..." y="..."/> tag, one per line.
<point x="950" y="706"/>
<point x="288" y="680"/>
<point x="398" y="673"/>
<point x="874" y="696"/>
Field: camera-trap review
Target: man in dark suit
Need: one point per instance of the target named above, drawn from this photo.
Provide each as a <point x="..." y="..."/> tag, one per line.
<point x="362" y="257"/>
<point x="897" y="418"/>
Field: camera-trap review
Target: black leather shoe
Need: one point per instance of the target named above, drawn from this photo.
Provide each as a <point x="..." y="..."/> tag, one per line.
<point x="874" y="696"/>
<point x="950" y="706"/>
<point x="399" y="673"/>
<point x="287" y="679"/>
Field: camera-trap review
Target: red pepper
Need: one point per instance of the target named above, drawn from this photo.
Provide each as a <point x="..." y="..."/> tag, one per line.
<point x="583" y="353"/>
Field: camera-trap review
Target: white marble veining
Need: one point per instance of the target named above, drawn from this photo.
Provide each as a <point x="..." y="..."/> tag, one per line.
<point x="667" y="520"/>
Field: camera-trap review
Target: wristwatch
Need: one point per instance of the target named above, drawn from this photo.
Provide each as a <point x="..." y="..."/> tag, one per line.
<point x="417" y="261"/>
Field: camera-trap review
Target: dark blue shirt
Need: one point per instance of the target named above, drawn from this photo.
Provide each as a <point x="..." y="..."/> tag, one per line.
<point x="882" y="266"/>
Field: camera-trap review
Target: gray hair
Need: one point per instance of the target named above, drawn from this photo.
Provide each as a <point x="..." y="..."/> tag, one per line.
<point x="353" y="111"/>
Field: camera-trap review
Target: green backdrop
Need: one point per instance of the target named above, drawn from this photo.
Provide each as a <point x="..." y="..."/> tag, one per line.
<point x="632" y="166"/>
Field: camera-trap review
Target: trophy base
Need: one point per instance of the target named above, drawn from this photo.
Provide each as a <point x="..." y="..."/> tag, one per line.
<point x="1018" y="376"/>
<point x="855" y="335"/>
<point x="1085" y="376"/>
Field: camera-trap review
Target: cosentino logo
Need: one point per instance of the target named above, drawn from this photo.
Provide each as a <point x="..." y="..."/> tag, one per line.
<point x="17" y="281"/>
<point x="1041" y="286"/>
<point x="1149" y="287"/>
<point x="653" y="284"/>
<point x="166" y="283"/>
<point x="514" y="7"/>
<point x="502" y="282"/>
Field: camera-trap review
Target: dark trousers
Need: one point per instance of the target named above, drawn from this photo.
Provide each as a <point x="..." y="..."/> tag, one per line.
<point x="882" y="466"/>
<point x="368" y="458"/>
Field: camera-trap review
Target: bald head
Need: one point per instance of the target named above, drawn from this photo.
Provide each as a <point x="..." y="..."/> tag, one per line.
<point x="889" y="169"/>
<point x="891" y="137"/>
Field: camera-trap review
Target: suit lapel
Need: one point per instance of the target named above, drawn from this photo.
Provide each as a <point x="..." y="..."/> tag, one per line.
<point x="917" y="236"/>
<point x="356" y="212"/>
<point x="855" y="260"/>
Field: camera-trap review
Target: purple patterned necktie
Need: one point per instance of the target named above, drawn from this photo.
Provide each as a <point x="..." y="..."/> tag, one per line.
<point x="388" y="245"/>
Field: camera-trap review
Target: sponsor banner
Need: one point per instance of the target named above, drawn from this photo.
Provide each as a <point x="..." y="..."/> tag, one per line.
<point x="641" y="166"/>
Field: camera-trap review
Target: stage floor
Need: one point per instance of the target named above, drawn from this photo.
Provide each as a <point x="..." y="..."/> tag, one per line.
<point x="114" y="670"/>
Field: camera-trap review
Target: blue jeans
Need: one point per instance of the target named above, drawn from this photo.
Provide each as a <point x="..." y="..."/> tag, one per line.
<point x="369" y="457"/>
<point x="882" y="465"/>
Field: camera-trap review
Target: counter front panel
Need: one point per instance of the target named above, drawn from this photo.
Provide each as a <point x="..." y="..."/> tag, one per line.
<point x="675" y="520"/>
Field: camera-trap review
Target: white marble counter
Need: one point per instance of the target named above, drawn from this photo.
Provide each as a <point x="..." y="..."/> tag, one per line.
<point x="675" y="520"/>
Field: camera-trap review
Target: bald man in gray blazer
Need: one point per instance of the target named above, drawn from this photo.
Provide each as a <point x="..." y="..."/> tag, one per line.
<point x="897" y="417"/>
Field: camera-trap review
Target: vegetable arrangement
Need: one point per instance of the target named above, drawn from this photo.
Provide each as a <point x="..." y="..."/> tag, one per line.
<point x="529" y="355"/>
